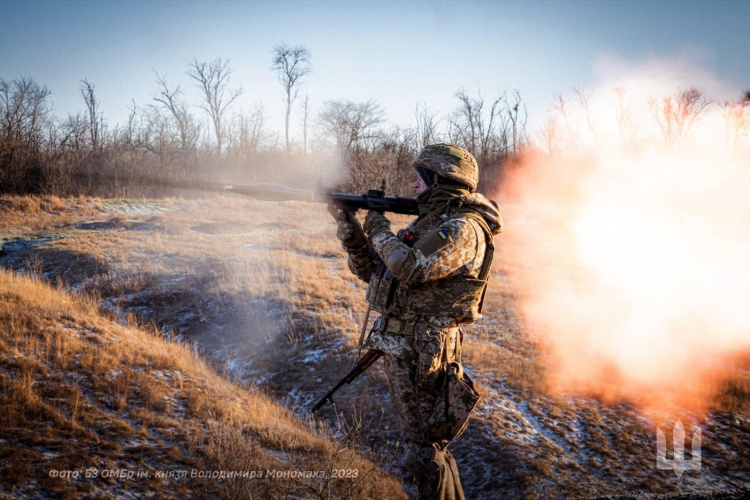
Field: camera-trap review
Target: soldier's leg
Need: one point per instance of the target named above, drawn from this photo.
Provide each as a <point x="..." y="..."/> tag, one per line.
<point x="414" y="385"/>
<point x="403" y="392"/>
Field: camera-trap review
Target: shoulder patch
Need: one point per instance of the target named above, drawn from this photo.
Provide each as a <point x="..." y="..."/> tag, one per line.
<point x="434" y="241"/>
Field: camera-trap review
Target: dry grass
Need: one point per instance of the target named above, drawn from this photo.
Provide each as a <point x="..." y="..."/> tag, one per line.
<point x="102" y="385"/>
<point x="39" y="211"/>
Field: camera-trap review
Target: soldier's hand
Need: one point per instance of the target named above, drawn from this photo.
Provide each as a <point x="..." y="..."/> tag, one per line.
<point x="348" y="230"/>
<point x="334" y="210"/>
<point x="376" y="223"/>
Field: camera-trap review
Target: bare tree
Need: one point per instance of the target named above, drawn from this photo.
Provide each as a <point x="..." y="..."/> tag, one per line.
<point x="305" y="119"/>
<point x="548" y="132"/>
<point x="248" y="133"/>
<point x="291" y="65"/>
<point x="489" y="134"/>
<point x="75" y="129"/>
<point x="584" y="98"/>
<point x="172" y="102"/>
<point x="518" y="117"/>
<point x="95" y="120"/>
<point x="350" y="124"/>
<point x="676" y="115"/>
<point x="737" y="119"/>
<point x="23" y="116"/>
<point x="212" y="79"/>
<point x="561" y="107"/>
<point x="426" y="129"/>
<point x="23" y="109"/>
<point x="158" y="137"/>
<point x="130" y="134"/>
<point x="466" y="124"/>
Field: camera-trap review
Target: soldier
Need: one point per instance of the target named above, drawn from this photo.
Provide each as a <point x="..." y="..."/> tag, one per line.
<point x="426" y="282"/>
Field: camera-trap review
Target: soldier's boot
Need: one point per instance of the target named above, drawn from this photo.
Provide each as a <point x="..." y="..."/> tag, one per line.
<point x="435" y="473"/>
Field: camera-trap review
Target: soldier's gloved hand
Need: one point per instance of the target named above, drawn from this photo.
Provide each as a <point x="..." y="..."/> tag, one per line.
<point x="376" y="223"/>
<point x="349" y="230"/>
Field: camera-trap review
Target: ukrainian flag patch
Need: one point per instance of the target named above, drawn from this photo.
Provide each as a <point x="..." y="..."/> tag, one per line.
<point x="443" y="234"/>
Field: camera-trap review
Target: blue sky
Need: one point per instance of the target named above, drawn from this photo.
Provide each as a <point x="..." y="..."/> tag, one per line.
<point x="397" y="53"/>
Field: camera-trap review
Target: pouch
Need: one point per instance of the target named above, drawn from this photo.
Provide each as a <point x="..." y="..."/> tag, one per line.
<point x="455" y="401"/>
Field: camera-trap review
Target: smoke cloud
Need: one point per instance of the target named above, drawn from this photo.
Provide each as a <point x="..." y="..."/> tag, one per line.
<point x="632" y="236"/>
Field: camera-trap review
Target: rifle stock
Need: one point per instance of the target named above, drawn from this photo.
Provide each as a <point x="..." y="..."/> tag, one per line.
<point x="365" y="362"/>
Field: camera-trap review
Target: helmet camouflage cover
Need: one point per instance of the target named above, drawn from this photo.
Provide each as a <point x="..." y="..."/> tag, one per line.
<point x="450" y="161"/>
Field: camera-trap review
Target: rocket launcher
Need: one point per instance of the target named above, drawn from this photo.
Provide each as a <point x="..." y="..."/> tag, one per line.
<point x="374" y="199"/>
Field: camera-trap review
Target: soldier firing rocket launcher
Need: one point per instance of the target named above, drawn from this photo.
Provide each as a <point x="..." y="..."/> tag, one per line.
<point x="374" y="199"/>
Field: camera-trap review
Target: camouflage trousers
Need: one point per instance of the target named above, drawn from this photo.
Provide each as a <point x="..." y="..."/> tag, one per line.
<point x="431" y="396"/>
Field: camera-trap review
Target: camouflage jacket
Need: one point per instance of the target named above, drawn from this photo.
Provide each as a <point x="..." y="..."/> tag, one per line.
<point x="437" y="273"/>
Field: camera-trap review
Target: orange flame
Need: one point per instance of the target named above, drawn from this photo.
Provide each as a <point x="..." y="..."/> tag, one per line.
<point x="632" y="239"/>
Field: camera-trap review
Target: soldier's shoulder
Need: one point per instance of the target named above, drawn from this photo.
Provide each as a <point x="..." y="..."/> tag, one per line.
<point x="455" y="224"/>
<point x="463" y="222"/>
<point x="475" y="220"/>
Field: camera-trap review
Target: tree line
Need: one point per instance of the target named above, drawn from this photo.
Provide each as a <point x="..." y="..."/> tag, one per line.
<point x="169" y="141"/>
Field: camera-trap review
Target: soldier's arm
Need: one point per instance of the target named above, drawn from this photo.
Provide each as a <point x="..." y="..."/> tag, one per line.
<point x="439" y="253"/>
<point x="361" y="260"/>
<point x="354" y="242"/>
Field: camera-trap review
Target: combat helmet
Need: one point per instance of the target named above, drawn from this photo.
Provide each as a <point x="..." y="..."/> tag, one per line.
<point x="449" y="161"/>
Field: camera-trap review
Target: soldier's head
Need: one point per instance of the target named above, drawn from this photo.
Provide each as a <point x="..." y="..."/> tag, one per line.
<point x="447" y="165"/>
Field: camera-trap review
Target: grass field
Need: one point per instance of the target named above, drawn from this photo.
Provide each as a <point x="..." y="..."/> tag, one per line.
<point x="196" y="334"/>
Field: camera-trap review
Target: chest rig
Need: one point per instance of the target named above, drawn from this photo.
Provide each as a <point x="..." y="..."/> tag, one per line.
<point x="458" y="297"/>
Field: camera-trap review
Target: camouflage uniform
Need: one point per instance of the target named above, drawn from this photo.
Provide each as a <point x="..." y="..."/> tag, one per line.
<point x="425" y="282"/>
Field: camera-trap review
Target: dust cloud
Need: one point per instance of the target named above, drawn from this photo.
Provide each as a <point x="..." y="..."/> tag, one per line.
<point x="632" y="236"/>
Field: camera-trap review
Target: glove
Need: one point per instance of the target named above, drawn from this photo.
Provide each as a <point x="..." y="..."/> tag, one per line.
<point x="349" y="230"/>
<point x="376" y="223"/>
